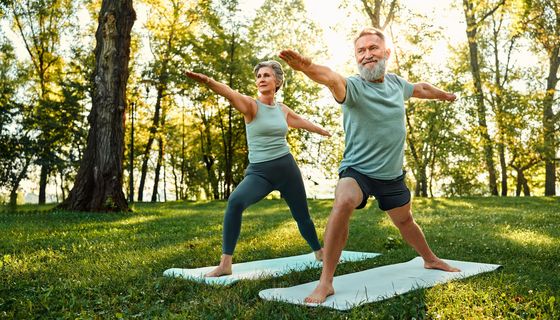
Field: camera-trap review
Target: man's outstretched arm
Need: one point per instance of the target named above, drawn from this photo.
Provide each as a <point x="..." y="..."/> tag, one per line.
<point x="425" y="90"/>
<point x="318" y="73"/>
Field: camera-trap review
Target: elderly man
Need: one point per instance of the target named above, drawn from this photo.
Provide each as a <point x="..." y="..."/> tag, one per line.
<point x="373" y="110"/>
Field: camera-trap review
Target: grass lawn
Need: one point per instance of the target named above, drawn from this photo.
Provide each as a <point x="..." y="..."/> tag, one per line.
<point x="109" y="266"/>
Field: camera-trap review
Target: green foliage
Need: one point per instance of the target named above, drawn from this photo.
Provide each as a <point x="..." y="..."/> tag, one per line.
<point x="82" y="265"/>
<point x="17" y="146"/>
<point x="51" y="111"/>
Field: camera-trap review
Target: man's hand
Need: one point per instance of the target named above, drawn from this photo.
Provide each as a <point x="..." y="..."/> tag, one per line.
<point x="449" y="97"/>
<point x="295" y="60"/>
<point x="198" y="77"/>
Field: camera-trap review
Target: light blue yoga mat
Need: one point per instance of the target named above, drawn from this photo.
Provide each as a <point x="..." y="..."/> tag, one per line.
<point x="263" y="268"/>
<point x="377" y="284"/>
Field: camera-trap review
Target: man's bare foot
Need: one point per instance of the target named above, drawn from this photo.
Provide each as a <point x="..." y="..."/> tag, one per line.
<point x="320" y="294"/>
<point x="219" y="271"/>
<point x="319" y="254"/>
<point x="440" y="265"/>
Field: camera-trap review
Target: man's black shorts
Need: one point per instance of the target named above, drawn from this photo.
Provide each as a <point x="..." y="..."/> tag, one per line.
<point x="390" y="194"/>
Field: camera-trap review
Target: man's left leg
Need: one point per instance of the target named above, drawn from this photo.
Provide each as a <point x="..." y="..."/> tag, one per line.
<point x="413" y="235"/>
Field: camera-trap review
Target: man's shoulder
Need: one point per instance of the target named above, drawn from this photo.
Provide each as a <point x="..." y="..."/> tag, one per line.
<point x="394" y="77"/>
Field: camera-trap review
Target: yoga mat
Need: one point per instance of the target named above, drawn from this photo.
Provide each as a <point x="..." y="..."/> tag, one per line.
<point x="377" y="284"/>
<point x="262" y="268"/>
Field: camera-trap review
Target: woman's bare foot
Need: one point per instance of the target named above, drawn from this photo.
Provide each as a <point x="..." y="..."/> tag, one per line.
<point x="224" y="268"/>
<point x="319" y="254"/>
<point x="219" y="271"/>
<point x="440" y="265"/>
<point x="320" y="294"/>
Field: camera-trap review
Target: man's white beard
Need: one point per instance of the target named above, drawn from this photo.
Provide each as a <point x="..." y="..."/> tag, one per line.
<point x="374" y="73"/>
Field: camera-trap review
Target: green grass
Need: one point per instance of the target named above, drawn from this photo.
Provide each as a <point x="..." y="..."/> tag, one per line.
<point x="109" y="266"/>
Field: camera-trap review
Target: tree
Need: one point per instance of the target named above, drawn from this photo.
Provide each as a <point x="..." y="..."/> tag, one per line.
<point x="475" y="15"/>
<point x="429" y="124"/>
<point x="17" y="148"/>
<point x="501" y="73"/>
<point x="171" y="29"/>
<point x="375" y="11"/>
<point x="41" y="25"/>
<point x="98" y="185"/>
<point x="541" y="21"/>
<point x="224" y="53"/>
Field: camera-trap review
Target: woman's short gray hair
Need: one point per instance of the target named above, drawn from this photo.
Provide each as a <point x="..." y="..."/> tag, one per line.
<point x="276" y="67"/>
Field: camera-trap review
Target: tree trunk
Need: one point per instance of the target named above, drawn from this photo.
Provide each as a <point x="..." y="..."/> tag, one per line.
<point x="518" y="183"/>
<point x="182" y="192"/>
<point x="423" y="181"/>
<point x="62" y="190"/>
<point x="503" y="169"/>
<point x="151" y="138"/>
<point x="522" y="184"/>
<point x="498" y="102"/>
<point x="374" y="13"/>
<point x="173" y="163"/>
<point x="228" y="139"/>
<point x="158" y="169"/>
<point x="549" y="133"/>
<point x="98" y="185"/>
<point x="526" y="191"/>
<point x="15" y="185"/>
<point x="161" y="153"/>
<point x="43" y="183"/>
<point x="481" y="107"/>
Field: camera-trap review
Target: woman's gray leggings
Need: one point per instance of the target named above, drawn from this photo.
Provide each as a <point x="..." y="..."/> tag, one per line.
<point x="280" y="174"/>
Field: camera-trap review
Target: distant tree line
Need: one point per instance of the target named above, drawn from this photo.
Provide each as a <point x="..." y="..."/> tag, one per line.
<point x="500" y="138"/>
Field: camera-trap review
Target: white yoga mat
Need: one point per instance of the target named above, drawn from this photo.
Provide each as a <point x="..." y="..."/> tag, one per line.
<point x="263" y="268"/>
<point x="377" y="284"/>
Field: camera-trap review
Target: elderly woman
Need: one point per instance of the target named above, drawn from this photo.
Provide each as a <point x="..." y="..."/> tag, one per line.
<point x="271" y="165"/>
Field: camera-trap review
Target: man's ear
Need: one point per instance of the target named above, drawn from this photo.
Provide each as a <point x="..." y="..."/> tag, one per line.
<point x="387" y="53"/>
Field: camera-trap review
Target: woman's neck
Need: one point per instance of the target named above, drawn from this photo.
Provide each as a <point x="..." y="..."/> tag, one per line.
<point x="267" y="98"/>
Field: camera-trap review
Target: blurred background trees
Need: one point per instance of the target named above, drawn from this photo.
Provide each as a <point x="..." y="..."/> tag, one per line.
<point x="499" y="138"/>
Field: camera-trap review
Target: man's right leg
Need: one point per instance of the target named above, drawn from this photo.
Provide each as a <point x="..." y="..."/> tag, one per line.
<point x="252" y="188"/>
<point x="347" y="197"/>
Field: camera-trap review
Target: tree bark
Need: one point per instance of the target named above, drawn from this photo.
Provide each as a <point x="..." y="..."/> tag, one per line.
<point x="522" y="184"/>
<point x="472" y="30"/>
<point x="151" y="138"/>
<point x="15" y="185"/>
<point x="182" y="192"/>
<point x="43" y="183"/>
<point x="549" y="121"/>
<point x="98" y="185"/>
<point x="209" y="160"/>
<point x="374" y="13"/>
<point x="228" y="136"/>
<point x="158" y="169"/>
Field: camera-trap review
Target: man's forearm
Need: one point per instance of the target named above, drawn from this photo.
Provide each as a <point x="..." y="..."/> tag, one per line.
<point x="318" y="73"/>
<point x="425" y="90"/>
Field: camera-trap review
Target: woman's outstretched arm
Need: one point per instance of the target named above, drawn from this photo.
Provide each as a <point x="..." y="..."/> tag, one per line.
<point x="246" y="105"/>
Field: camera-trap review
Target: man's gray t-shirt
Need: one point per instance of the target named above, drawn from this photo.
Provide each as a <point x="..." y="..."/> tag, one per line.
<point x="374" y="122"/>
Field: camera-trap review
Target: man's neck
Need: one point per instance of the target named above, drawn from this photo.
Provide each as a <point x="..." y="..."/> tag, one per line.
<point x="380" y="80"/>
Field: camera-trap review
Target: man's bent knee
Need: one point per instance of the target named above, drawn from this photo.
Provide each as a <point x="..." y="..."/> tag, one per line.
<point x="403" y="220"/>
<point x="344" y="205"/>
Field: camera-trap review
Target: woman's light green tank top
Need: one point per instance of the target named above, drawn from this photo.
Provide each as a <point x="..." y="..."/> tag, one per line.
<point x="266" y="134"/>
